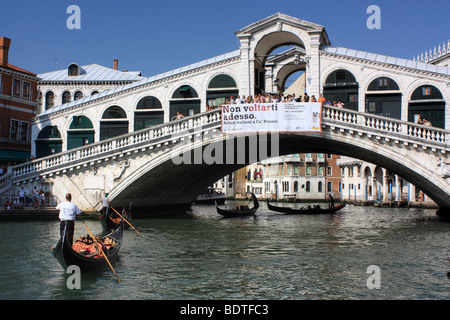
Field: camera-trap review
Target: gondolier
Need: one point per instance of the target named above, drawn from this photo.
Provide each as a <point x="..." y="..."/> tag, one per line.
<point x="68" y="212"/>
<point x="105" y="205"/>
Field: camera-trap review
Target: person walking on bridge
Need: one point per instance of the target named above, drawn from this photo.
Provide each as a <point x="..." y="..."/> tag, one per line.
<point x="68" y="212"/>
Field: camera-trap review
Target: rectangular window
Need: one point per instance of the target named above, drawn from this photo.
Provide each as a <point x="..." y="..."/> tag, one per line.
<point x="426" y="91"/>
<point x="14" y="131"/>
<point x="308" y="170"/>
<point x="329" y="186"/>
<point x="353" y="97"/>
<point x="382" y="82"/>
<point x="320" y="171"/>
<point x="26" y="93"/>
<point x="24" y="130"/>
<point x="296" y="170"/>
<point x="16" y="88"/>
<point x="329" y="171"/>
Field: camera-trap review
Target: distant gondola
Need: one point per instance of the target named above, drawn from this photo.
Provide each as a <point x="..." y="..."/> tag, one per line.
<point x="66" y="256"/>
<point x="111" y="219"/>
<point x="239" y="212"/>
<point x="289" y="210"/>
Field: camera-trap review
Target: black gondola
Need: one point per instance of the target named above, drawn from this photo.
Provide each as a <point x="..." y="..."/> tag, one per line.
<point x="239" y="212"/>
<point x="110" y="220"/>
<point x="66" y="256"/>
<point x="311" y="210"/>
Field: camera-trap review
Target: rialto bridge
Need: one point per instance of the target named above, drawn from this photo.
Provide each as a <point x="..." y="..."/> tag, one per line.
<point x="123" y="140"/>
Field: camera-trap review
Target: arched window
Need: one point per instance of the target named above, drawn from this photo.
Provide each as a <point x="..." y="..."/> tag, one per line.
<point x="384" y="98"/>
<point x="149" y="102"/>
<point x="308" y="186"/>
<point x="428" y="102"/>
<point x="221" y="87"/>
<point x="148" y="113"/>
<point x="341" y="85"/>
<point x="80" y="133"/>
<point x="66" y="97"/>
<point x="114" y="123"/>
<point x="77" y="95"/>
<point x="73" y="70"/>
<point x="48" y="141"/>
<point x="295" y="186"/>
<point x="49" y="100"/>
<point x="94" y="92"/>
<point x="184" y="100"/>
<point x="383" y="84"/>
<point x="320" y="187"/>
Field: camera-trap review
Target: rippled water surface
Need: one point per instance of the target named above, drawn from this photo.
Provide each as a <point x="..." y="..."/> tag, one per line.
<point x="272" y="256"/>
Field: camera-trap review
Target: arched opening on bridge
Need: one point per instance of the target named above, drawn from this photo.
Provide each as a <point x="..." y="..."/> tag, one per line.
<point x="114" y="123"/>
<point x="81" y="132"/>
<point x="341" y="85"/>
<point x="149" y="112"/>
<point x="286" y="71"/>
<point x="221" y="87"/>
<point x="384" y="98"/>
<point x="428" y="102"/>
<point x="269" y="44"/>
<point x="185" y="100"/>
<point x="48" y="142"/>
<point x="294" y="84"/>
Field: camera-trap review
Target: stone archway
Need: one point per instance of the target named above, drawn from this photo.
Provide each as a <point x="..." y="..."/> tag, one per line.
<point x="262" y="37"/>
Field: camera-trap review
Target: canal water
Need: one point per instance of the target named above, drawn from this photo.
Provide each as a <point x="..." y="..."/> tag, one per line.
<point x="206" y="257"/>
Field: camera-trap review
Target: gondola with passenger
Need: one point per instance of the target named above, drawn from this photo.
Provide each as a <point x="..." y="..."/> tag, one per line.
<point x="89" y="254"/>
<point x="240" y="211"/>
<point x="309" y="210"/>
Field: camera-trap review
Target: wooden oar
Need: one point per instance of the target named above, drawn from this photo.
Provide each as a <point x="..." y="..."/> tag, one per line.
<point x="100" y="247"/>
<point x="124" y="219"/>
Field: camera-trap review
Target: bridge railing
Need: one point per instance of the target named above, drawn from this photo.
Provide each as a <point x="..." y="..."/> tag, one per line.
<point x="387" y="125"/>
<point x="114" y="144"/>
<point x="331" y="115"/>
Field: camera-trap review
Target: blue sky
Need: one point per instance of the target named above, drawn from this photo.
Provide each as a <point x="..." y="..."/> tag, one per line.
<point x="157" y="36"/>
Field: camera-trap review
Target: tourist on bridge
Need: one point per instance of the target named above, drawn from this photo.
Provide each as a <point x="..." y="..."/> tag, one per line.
<point x="179" y="116"/>
<point x="68" y="212"/>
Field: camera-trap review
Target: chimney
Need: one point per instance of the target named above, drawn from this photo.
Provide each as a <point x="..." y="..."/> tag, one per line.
<point x="4" y="49"/>
<point x="116" y="64"/>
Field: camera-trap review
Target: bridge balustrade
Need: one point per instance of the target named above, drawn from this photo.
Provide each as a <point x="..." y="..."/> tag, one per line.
<point x="373" y="124"/>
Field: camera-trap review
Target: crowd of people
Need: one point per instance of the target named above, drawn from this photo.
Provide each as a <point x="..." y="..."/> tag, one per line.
<point x="268" y="98"/>
<point x="37" y="199"/>
<point x="423" y="121"/>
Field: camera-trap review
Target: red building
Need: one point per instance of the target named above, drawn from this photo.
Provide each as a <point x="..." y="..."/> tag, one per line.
<point x="18" y="105"/>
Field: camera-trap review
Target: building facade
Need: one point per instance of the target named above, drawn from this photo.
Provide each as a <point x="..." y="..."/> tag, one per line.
<point x="18" y="105"/>
<point x="67" y="86"/>
<point x="304" y="176"/>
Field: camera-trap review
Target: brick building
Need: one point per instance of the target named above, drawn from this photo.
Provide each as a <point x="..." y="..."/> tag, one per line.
<point x="18" y="105"/>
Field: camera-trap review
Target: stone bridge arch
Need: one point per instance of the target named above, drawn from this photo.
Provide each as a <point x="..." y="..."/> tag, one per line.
<point x="140" y="166"/>
<point x="182" y="182"/>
